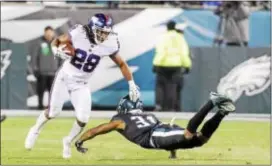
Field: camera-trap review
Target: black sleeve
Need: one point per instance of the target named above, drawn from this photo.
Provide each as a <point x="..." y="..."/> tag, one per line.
<point x="35" y="51"/>
<point x="116" y="117"/>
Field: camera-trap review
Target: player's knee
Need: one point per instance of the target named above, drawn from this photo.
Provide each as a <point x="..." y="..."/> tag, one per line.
<point x="82" y="119"/>
<point x="188" y="135"/>
<point x="53" y="112"/>
<point x="48" y="115"/>
<point x="200" y="140"/>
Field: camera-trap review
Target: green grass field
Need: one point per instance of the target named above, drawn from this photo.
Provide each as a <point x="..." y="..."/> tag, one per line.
<point x="234" y="143"/>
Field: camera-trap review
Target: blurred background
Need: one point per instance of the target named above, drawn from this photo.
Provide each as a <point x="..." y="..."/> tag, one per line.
<point x="229" y="52"/>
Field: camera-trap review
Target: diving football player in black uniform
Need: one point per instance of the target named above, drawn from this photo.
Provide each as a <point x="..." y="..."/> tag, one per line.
<point x="147" y="131"/>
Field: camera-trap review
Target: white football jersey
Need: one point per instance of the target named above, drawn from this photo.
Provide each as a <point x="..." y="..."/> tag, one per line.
<point x="88" y="55"/>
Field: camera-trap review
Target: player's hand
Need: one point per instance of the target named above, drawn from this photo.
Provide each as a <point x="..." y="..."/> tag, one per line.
<point x="79" y="147"/>
<point x="134" y="92"/>
<point x="60" y="52"/>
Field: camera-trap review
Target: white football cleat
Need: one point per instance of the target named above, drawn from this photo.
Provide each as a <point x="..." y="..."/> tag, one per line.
<point x="217" y="98"/>
<point x="227" y="107"/>
<point x="66" y="153"/>
<point x="31" y="138"/>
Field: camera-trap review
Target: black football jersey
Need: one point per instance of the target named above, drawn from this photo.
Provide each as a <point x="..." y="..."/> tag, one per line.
<point x="138" y="127"/>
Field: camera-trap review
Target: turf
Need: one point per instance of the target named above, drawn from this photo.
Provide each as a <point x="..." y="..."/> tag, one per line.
<point x="234" y="143"/>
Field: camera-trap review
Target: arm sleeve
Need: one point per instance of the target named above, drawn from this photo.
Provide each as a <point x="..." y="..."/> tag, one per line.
<point x="115" y="117"/>
<point x="187" y="62"/>
<point x="115" y="46"/>
<point x="160" y="51"/>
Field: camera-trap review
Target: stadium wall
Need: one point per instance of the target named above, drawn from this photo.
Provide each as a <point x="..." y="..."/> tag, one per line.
<point x="14" y="90"/>
<point x="214" y="69"/>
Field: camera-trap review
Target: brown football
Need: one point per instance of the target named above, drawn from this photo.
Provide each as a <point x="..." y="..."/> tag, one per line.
<point x="68" y="47"/>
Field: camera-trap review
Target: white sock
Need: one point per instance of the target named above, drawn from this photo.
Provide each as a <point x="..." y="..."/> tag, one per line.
<point x="75" y="131"/>
<point x="40" y="121"/>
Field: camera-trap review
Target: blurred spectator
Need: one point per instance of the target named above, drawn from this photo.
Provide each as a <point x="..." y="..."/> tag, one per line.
<point x="170" y="63"/>
<point x="44" y="64"/>
<point x="234" y="23"/>
<point x="266" y="5"/>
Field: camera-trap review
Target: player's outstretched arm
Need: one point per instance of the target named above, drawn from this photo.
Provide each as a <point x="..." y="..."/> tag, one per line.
<point x="134" y="93"/>
<point x="101" y="129"/>
<point x="117" y="59"/>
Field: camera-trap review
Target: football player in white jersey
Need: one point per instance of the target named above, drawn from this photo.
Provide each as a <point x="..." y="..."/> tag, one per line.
<point x="92" y="42"/>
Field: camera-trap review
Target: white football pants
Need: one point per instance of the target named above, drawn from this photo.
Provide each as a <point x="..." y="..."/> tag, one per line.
<point x="77" y="89"/>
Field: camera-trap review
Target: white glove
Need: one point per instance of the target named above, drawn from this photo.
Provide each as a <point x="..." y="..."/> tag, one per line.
<point x="134" y="92"/>
<point x="59" y="52"/>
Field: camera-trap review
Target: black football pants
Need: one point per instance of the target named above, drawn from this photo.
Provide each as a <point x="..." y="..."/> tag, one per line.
<point x="168" y="91"/>
<point x="44" y="82"/>
<point x="168" y="137"/>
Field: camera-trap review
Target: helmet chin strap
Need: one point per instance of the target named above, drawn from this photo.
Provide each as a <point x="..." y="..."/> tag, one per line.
<point x="95" y="36"/>
<point x="96" y="41"/>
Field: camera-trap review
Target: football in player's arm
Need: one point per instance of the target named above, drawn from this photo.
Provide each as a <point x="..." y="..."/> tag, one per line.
<point x="151" y="133"/>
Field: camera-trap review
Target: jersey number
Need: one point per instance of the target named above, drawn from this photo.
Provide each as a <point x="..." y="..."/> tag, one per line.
<point x="85" y="62"/>
<point x="141" y="122"/>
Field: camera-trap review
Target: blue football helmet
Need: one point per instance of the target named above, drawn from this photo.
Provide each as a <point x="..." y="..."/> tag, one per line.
<point x="126" y="105"/>
<point x="101" y="26"/>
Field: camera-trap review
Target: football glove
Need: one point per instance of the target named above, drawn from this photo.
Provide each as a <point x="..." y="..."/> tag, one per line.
<point x="59" y="52"/>
<point x="134" y="92"/>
